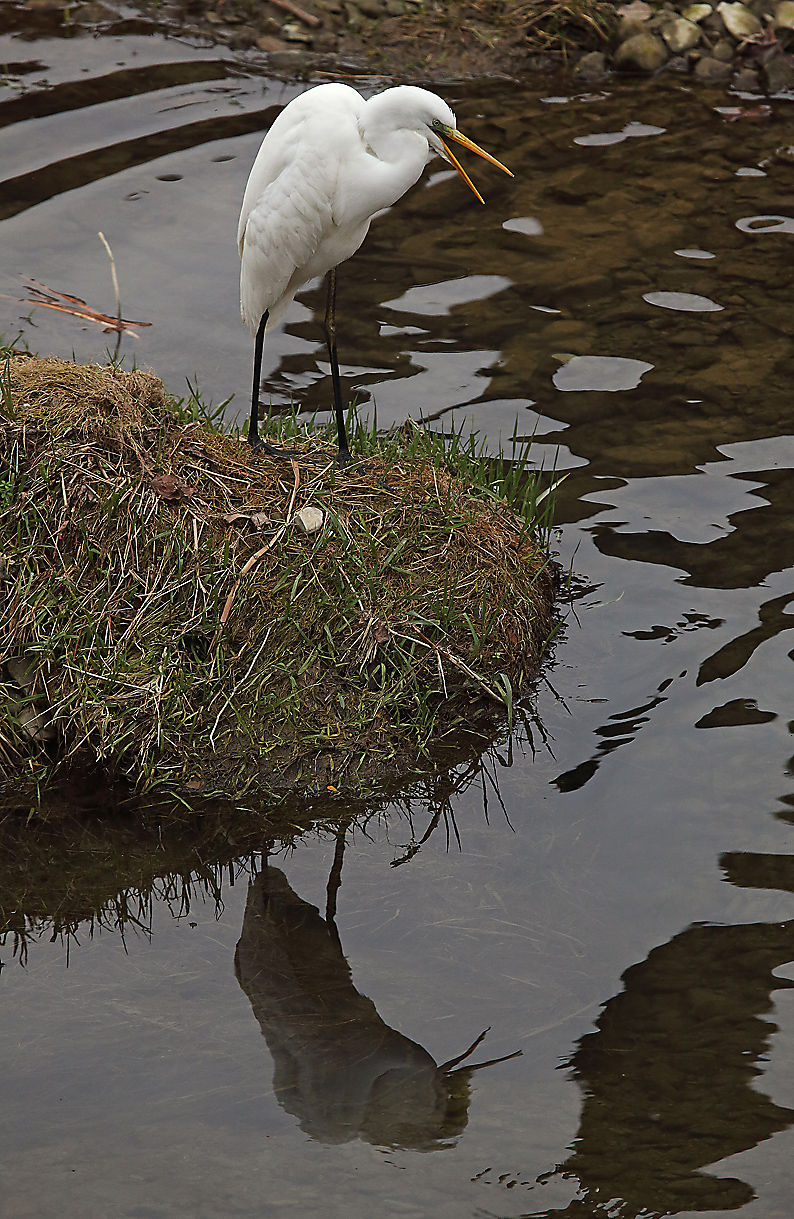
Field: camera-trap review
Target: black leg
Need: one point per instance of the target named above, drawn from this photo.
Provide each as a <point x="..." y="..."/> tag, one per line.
<point x="253" y="426"/>
<point x="330" y="334"/>
<point x="254" y="438"/>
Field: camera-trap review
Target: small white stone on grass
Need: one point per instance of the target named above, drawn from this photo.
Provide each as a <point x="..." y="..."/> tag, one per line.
<point x="310" y="519"/>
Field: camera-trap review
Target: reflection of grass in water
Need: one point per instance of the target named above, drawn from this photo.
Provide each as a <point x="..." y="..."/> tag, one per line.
<point x="177" y="625"/>
<point x="85" y="856"/>
<point x="90" y="858"/>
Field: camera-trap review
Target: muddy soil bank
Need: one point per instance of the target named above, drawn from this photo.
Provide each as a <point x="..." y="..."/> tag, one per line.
<point x="747" y="46"/>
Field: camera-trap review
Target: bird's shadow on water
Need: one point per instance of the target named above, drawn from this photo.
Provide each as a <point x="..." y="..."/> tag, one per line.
<point x="337" y="1066"/>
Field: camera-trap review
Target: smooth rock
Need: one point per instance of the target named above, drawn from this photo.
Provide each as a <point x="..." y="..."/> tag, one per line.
<point x="661" y="19"/>
<point x="739" y="21"/>
<point x="779" y="75"/>
<point x="244" y="36"/>
<point x="681" y="35"/>
<point x="746" y="81"/>
<point x="643" y="51"/>
<point x="707" y="69"/>
<point x="309" y="519"/>
<point x="292" y="32"/>
<point x="629" y="26"/>
<point x="355" y="17"/>
<point x="371" y="8"/>
<point x="36" y="724"/>
<point x="784" y="15"/>
<point x="696" y="12"/>
<point x="592" y="66"/>
<point x="21" y="672"/>
<point x="92" y="14"/>
<point x="324" y="41"/>
<point x="268" y="43"/>
<point x="714" y="25"/>
<point x="637" y="8"/>
<point x="723" y="50"/>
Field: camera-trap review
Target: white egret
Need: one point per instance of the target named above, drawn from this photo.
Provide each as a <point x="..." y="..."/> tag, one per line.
<point x="331" y="161"/>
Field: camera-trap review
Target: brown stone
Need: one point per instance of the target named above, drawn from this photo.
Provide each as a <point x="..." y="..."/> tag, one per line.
<point x="708" y="69"/>
<point x="722" y="50"/>
<point x="268" y="43"/>
<point x="779" y="75"/>
<point x="592" y="66"/>
<point x="644" y="52"/>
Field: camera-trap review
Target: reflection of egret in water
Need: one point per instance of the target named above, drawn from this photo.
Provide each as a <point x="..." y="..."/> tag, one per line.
<point x="668" y="1076"/>
<point x="337" y="1066"/>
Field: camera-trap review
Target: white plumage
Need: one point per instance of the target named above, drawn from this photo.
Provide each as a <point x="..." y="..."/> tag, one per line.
<point x="330" y="162"/>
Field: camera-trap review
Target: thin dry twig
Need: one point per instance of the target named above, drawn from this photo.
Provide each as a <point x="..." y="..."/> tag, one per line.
<point x="254" y="559"/>
<point x="115" y="277"/>
<point x="64" y="302"/>
<point x="300" y="13"/>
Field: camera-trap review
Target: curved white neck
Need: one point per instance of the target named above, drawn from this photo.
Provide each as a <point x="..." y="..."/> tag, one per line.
<point x="393" y="161"/>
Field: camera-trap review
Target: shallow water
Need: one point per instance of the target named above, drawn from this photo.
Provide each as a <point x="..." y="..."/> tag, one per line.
<point x="622" y="912"/>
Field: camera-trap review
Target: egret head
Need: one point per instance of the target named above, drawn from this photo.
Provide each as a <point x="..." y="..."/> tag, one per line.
<point x="450" y="131"/>
<point x="427" y="114"/>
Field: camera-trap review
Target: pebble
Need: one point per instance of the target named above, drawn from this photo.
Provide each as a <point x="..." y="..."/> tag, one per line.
<point x="784" y="15"/>
<point x="21" y="671"/>
<point x="666" y="34"/>
<point x="722" y="50"/>
<point x="268" y="43"/>
<point x="36" y="724"/>
<point x="355" y="18"/>
<point x="746" y="81"/>
<point x="93" y="14"/>
<point x="708" y="69"/>
<point x="672" y="37"/>
<point x="592" y="66"/>
<point x="681" y="35"/>
<point x="643" y="51"/>
<point x="779" y="75"/>
<point x="739" y="20"/>
<point x="309" y="519"/>
<point x="292" y="32"/>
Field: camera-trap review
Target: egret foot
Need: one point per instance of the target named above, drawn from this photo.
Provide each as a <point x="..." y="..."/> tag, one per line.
<point x="258" y="445"/>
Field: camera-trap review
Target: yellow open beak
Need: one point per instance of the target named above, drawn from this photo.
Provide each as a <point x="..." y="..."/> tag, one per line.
<point x="453" y="134"/>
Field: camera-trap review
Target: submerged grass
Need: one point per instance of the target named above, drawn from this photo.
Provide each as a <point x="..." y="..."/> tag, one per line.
<point x="162" y="611"/>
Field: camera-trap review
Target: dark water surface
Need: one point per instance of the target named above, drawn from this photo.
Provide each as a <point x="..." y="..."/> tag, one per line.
<point x="624" y="916"/>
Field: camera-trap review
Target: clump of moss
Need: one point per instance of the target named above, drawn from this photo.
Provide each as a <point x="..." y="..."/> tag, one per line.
<point x="162" y="611"/>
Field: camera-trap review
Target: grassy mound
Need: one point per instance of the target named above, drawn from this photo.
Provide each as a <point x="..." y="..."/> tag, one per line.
<point x="163" y="611"/>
